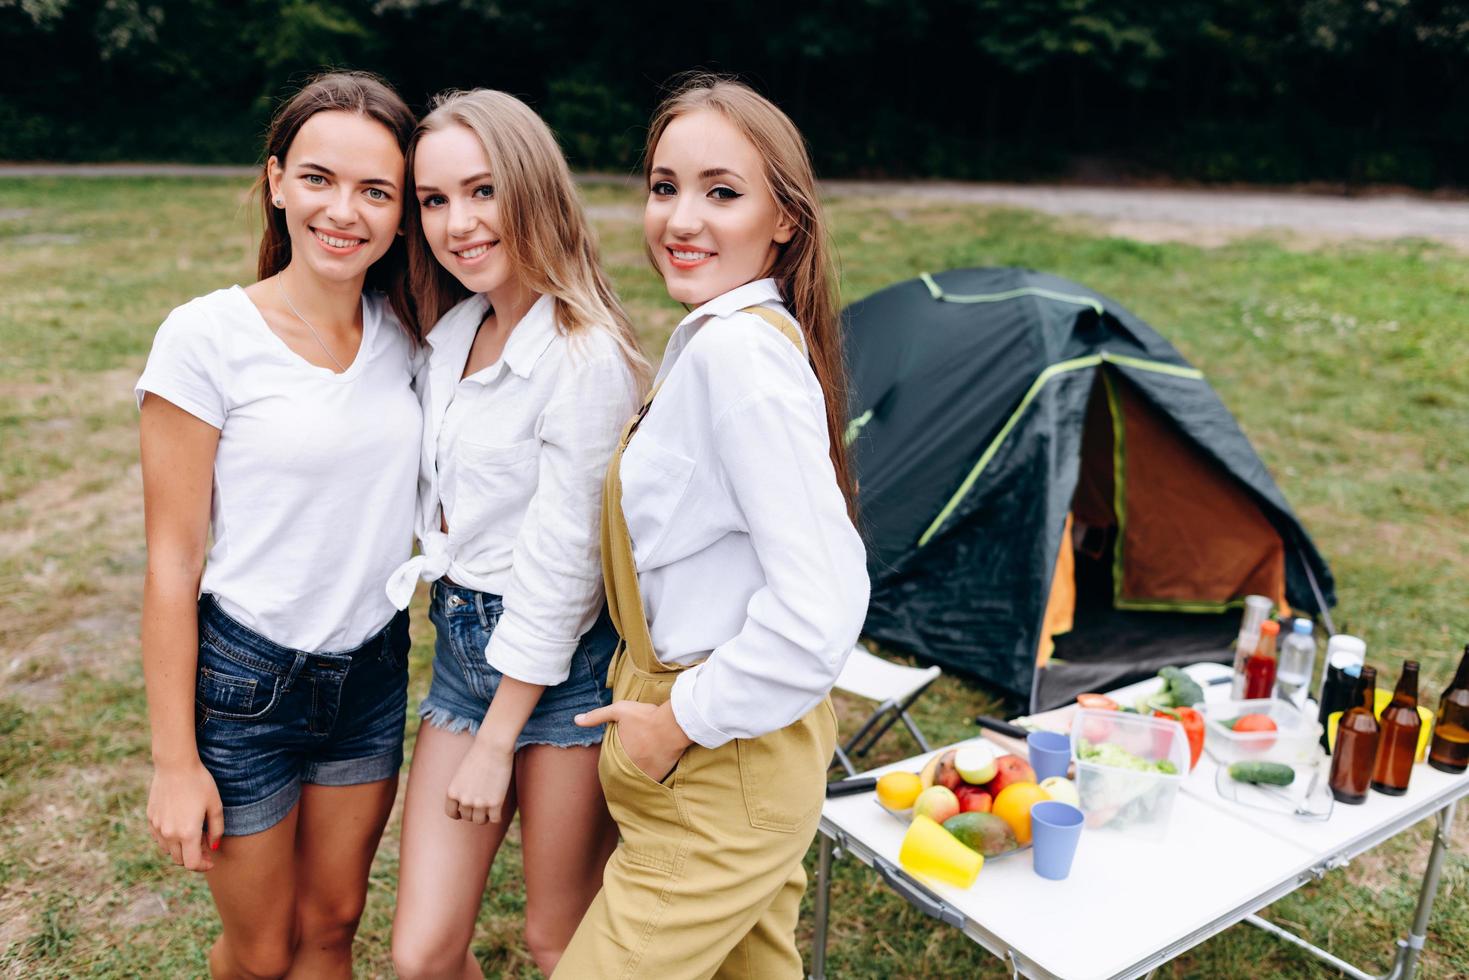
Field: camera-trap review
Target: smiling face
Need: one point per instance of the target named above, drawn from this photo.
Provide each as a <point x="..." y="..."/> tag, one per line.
<point x="711" y="222"/>
<point x="341" y="187"/>
<point x="458" y="209"/>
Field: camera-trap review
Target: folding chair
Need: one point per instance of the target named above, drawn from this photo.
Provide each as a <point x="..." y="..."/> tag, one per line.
<point x="895" y="688"/>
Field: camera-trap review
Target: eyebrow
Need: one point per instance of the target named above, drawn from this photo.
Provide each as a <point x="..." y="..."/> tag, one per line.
<point x="703" y="174"/>
<point x="375" y="181"/>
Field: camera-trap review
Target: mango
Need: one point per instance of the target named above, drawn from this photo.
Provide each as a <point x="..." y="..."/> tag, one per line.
<point x="982" y="832"/>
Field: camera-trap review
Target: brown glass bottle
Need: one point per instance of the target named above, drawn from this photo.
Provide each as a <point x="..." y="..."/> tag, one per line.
<point x="1356" y="743"/>
<point x="1450" y="748"/>
<point x="1397" y="744"/>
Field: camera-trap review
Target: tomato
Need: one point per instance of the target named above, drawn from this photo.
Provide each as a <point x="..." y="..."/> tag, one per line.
<point x="1099" y="701"/>
<point x="1247" y="724"/>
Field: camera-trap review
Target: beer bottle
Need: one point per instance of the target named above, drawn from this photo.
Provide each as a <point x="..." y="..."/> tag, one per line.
<point x="1397" y="743"/>
<point x="1356" y="742"/>
<point x="1450" y="749"/>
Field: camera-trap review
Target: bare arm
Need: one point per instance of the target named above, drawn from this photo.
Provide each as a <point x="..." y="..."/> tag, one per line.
<point x="178" y="464"/>
<point x="479" y="787"/>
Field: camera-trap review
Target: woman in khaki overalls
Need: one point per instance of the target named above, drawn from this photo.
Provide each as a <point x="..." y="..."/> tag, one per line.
<point x="734" y="575"/>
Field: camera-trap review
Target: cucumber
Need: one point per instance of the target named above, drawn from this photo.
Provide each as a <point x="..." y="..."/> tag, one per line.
<point x="1269" y="773"/>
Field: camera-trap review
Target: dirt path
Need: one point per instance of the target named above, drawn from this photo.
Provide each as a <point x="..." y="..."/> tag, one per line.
<point x="1201" y="217"/>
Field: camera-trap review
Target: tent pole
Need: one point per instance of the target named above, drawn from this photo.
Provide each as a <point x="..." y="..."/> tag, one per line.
<point x="1316" y="591"/>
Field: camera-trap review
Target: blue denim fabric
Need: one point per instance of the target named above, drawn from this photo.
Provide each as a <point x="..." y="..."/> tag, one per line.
<point x="464" y="682"/>
<point x="268" y="718"/>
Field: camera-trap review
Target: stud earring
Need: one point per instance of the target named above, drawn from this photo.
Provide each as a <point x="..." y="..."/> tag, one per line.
<point x="280" y="202"/>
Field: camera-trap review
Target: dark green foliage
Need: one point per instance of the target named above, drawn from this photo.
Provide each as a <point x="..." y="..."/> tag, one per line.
<point x="1216" y="90"/>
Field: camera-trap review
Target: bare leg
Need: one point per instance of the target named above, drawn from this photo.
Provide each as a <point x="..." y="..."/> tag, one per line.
<point x="444" y="865"/>
<point x="337" y="835"/>
<point x="567" y="835"/>
<point x="254" y="888"/>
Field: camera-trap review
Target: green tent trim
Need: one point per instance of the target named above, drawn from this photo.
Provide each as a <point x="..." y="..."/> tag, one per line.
<point x="1053" y="371"/>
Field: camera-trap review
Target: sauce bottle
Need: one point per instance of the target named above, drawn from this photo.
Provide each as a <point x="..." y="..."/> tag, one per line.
<point x="1450" y="749"/>
<point x="1356" y="743"/>
<point x="1260" y="668"/>
<point x="1397" y="745"/>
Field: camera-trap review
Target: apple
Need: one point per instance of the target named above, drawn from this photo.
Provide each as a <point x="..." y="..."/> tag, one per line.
<point x="1010" y="769"/>
<point x="940" y="771"/>
<point x="1061" y="789"/>
<point x="975" y="763"/>
<point x="938" y="803"/>
<point x="972" y="799"/>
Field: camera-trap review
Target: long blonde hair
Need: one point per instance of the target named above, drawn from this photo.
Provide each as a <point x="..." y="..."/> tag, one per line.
<point x="805" y="267"/>
<point x="542" y="225"/>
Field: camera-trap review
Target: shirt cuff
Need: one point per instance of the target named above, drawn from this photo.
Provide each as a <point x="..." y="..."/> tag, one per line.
<point x="688" y="715"/>
<point x="516" y="651"/>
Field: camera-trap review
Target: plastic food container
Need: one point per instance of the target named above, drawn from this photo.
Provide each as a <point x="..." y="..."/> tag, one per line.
<point x="1295" y="742"/>
<point x="1136" y="801"/>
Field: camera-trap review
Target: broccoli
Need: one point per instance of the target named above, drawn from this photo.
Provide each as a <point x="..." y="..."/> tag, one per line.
<point x="1179" y="690"/>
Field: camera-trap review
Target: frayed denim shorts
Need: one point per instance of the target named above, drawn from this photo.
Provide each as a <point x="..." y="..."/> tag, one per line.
<point x="464" y="682"/>
<point x="268" y="718"/>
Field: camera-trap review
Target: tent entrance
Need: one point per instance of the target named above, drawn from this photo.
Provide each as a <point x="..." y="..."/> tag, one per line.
<point x="1161" y="546"/>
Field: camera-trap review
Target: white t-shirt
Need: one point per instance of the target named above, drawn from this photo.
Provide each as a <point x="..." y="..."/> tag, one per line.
<point x="315" y="474"/>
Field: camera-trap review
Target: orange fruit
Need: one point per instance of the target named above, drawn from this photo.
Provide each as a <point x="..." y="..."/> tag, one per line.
<point x="1013" y="806"/>
<point x="898" y="790"/>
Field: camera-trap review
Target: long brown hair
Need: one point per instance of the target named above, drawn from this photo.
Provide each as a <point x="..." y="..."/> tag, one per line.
<point x="542" y="225"/>
<point x="805" y="267"/>
<point x="345" y="91"/>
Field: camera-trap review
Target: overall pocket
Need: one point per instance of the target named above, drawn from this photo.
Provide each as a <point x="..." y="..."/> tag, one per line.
<point x="783" y="773"/>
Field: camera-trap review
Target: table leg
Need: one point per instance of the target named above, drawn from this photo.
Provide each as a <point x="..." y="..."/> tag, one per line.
<point x="823" y="908"/>
<point x="1411" y="948"/>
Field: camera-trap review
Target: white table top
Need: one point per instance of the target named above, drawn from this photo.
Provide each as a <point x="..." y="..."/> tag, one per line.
<point x="1126" y="906"/>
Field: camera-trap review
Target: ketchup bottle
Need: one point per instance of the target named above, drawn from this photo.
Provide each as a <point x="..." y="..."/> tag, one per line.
<point x="1260" y="668"/>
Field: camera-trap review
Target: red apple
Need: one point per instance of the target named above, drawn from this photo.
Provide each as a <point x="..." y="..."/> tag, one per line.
<point x="972" y="799"/>
<point x="1011" y="769"/>
<point x="947" y="774"/>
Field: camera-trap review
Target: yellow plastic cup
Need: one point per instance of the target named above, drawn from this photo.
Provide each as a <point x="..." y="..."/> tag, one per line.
<point x="930" y="851"/>
<point x="1381" y="699"/>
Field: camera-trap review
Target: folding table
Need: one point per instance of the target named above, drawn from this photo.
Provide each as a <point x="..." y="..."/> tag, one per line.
<point x="1242" y="859"/>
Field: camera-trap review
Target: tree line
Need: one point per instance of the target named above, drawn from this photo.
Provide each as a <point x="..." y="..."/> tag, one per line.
<point x="1346" y="91"/>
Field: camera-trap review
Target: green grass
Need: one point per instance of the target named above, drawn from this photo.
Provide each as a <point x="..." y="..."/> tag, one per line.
<point x="1343" y="364"/>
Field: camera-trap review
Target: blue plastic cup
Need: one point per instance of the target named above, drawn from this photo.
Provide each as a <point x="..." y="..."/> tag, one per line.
<point x="1050" y="754"/>
<point x="1055" y="827"/>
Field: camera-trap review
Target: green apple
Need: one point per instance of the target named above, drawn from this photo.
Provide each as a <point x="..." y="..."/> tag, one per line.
<point x="1061" y="789"/>
<point x="976" y="763"/>
<point x="937" y="802"/>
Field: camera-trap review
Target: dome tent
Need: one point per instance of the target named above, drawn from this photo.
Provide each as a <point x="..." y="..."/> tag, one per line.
<point x="1053" y="499"/>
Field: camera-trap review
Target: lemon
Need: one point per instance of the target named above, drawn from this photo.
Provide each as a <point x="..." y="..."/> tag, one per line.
<point x="898" y="790"/>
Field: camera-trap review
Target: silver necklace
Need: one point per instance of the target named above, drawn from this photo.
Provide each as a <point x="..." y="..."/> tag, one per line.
<point x="286" y="296"/>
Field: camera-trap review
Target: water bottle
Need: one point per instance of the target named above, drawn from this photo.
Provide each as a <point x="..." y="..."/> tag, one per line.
<point x="1297" y="661"/>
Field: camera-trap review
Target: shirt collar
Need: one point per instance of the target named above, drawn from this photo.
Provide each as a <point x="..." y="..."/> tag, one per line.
<point x="750" y="294"/>
<point x="531" y="336"/>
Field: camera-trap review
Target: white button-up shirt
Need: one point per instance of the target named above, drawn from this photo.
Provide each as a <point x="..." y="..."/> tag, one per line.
<point x="514" y="456"/>
<point x="748" y="563"/>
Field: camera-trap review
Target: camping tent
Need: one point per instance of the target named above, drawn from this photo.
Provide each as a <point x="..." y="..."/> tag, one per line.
<point x="1054" y="500"/>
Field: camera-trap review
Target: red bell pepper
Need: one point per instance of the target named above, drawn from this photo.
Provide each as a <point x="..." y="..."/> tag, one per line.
<point x="1193" y="727"/>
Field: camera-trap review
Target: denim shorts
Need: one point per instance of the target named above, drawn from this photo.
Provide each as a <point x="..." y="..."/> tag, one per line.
<point x="464" y="682"/>
<point x="268" y="718"/>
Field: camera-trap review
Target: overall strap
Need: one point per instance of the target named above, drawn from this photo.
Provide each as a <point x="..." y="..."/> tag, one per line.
<point x="619" y="571"/>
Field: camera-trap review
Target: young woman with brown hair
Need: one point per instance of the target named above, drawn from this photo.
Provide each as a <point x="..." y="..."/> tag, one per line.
<point x="279" y="419"/>
<point x="734" y="574"/>
<point x="533" y="368"/>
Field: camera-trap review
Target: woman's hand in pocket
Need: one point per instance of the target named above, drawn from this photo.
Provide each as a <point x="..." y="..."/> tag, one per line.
<point x="185" y="815"/>
<point x="650" y="734"/>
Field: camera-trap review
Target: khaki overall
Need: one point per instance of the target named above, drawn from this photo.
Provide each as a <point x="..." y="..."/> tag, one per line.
<point x="707" y="879"/>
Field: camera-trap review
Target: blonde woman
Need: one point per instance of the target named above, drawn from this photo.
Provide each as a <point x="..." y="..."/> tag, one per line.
<point x="533" y="369"/>
<point x="733" y="572"/>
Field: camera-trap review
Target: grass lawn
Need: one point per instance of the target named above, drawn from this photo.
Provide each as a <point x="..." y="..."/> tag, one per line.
<point x="1345" y="365"/>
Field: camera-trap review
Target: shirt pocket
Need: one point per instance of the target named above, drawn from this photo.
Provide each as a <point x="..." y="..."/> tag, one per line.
<point x="494" y="488"/>
<point x="655" y="481"/>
